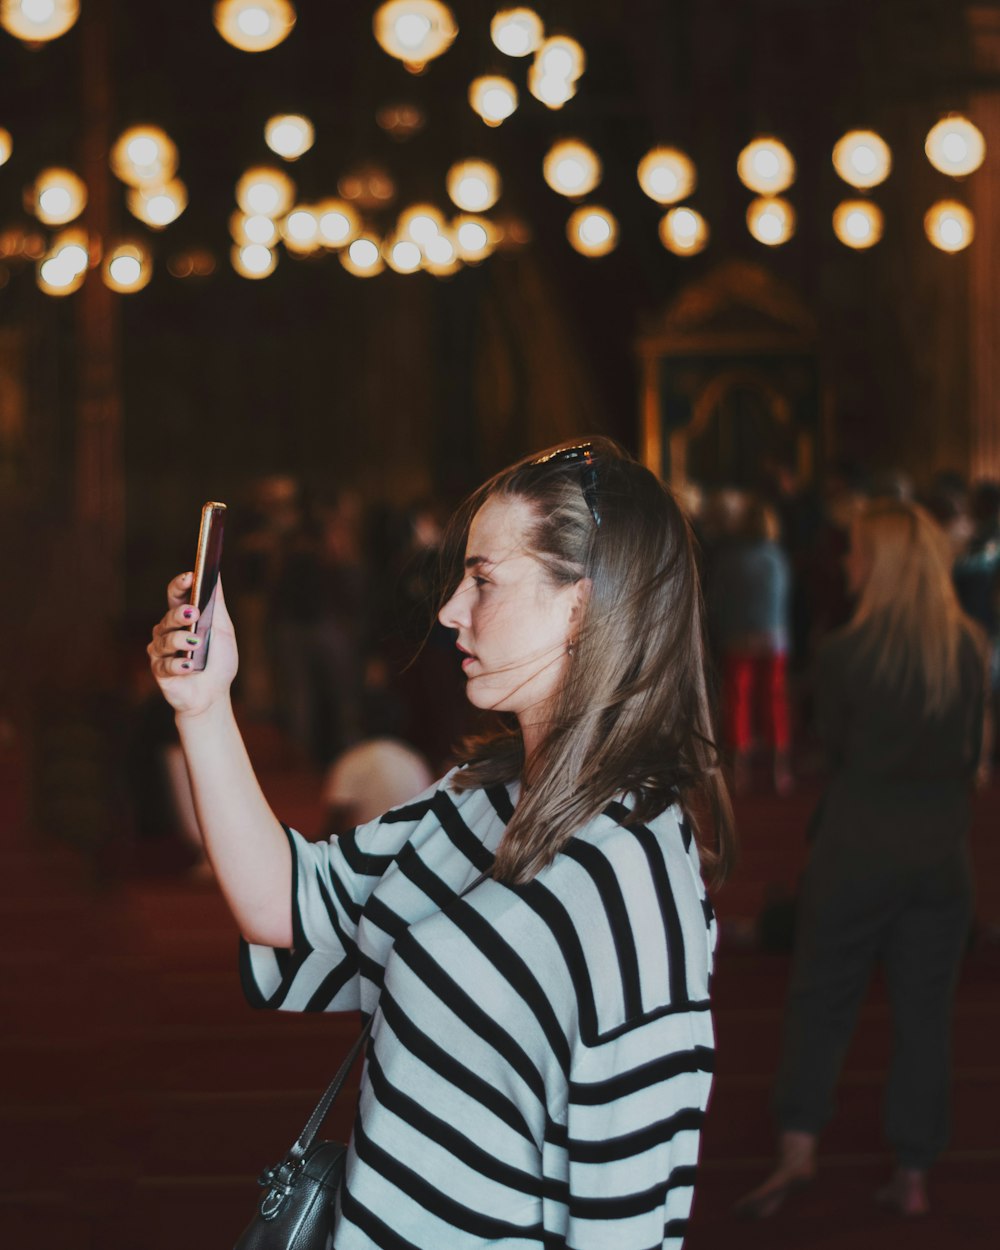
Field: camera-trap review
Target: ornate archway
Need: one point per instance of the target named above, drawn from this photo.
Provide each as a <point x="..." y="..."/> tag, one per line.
<point x="730" y="380"/>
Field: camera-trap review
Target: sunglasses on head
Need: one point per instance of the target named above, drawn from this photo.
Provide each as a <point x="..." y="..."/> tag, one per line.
<point x="583" y="455"/>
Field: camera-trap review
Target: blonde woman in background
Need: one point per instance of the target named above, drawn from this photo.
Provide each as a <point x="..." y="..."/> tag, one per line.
<point x="900" y="703"/>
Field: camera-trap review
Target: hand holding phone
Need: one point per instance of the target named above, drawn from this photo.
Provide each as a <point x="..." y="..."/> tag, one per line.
<point x="206" y="577"/>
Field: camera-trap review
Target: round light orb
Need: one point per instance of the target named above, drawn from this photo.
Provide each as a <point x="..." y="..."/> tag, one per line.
<point x="667" y="175"/>
<point x="37" y="21"/>
<point x="493" y="98"/>
<point x="858" y="223"/>
<point x="440" y="250"/>
<point x="766" y="166"/>
<point x="6" y="146"/>
<point x="592" y="231"/>
<point x="289" y="135"/>
<point x="571" y="168"/>
<point x="144" y="156"/>
<point x="253" y="228"/>
<point x="517" y="32"/>
<point x="414" y="31"/>
<point x="58" y="196"/>
<point x="771" y="220"/>
<point x="72" y="251"/>
<point x="683" y="231"/>
<point x="59" y="273"/>
<point x="552" y="91"/>
<point x="363" y="258"/>
<point x="475" y="237"/>
<point x="862" y="158"/>
<point x="253" y="260"/>
<point x="955" y="146"/>
<point x="254" y="25"/>
<point x="473" y="185"/>
<point x="949" y="225"/>
<point x="338" y="223"/>
<point x="441" y="255"/>
<point x="158" y="206"/>
<point x="561" y="57"/>
<point x="127" y="267"/>
<point x="420" y="223"/>
<point x="403" y="256"/>
<point x="265" y="191"/>
<point x="300" y="230"/>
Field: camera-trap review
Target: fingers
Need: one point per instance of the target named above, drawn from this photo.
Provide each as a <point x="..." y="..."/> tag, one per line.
<point x="184" y="617"/>
<point x="169" y="666"/>
<point x="166" y="642"/>
<point x="179" y="590"/>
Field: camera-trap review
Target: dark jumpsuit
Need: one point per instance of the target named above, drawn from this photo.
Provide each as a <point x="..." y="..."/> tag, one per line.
<point x="888" y="879"/>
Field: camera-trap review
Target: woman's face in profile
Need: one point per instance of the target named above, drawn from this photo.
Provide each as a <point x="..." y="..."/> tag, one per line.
<point x="514" y="625"/>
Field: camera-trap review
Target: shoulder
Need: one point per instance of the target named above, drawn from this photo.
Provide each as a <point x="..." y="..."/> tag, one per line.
<point x="632" y="906"/>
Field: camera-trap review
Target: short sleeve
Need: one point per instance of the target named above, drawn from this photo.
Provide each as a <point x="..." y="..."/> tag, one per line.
<point x="331" y="882"/>
<point x="633" y="1125"/>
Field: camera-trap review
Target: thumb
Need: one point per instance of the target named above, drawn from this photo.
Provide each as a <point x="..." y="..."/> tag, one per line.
<point x="222" y="616"/>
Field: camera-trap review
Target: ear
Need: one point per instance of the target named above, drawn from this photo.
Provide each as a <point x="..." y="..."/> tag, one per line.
<point x="579" y="598"/>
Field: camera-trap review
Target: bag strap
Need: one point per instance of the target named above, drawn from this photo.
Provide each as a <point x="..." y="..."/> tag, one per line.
<point x="322" y="1108"/>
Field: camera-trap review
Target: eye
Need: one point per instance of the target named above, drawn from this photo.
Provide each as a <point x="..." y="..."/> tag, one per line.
<point x="479" y="581"/>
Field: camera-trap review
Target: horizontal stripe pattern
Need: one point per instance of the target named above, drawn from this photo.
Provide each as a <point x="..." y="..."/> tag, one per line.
<point x="541" y="1055"/>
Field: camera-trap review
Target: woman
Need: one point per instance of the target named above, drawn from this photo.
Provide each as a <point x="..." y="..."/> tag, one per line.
<point x="541" y="1053"/>
<point x="748" y="611"/>
<point x="900" y="701"/>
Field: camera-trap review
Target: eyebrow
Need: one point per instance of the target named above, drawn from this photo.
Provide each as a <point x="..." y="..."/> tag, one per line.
<point x="472" y="562"/>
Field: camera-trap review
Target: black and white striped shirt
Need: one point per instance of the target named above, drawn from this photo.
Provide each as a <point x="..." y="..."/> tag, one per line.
<point x="541" y="1055"/>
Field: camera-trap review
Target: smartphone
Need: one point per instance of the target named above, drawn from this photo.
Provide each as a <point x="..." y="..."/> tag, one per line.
<point x="206" y="577"/>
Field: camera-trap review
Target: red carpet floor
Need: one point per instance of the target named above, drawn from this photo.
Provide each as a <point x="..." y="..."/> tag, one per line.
<point x="140" y="1096"/>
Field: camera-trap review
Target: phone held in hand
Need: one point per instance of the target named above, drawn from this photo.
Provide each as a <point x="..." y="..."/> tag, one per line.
<point x="206" y="577"/>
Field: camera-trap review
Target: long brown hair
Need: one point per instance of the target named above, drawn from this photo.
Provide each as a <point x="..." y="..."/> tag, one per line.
<point x="633" y="712"/>
<point x="908" y="617"/>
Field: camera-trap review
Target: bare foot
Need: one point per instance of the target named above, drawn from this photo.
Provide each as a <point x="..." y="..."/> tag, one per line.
<point x="796" y="1167"/>
<point x="906" y="1192"/>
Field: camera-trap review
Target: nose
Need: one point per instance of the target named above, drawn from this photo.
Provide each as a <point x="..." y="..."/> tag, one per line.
<point x="455" y="613"/>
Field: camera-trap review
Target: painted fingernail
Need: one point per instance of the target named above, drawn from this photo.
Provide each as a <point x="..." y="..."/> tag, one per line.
<point x="185" y="664"/>
<point x="191" y="642"/>
<point x="188" y="613"/>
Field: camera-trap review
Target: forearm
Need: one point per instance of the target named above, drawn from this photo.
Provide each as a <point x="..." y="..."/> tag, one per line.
<point x="243" y="838"/>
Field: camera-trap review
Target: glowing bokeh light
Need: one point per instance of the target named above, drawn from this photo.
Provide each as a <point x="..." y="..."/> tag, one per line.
<point x="862" y="158"/>
<point x="493" y="98"/>
<point x="58" y="196"/>
<point x="127" y="268"/>
<point x="289" y="135"/>
<point x="158" y="206"/>
<point x="955" y="146"/>
<point x="473" y="185"/>
<point x="254" y="260"/>
<point x="414" y="31"/>
<point x="338" y="223"/>
<point x="684" y="231"/>
<point x="766" y="166"/>
<point x="266" y="191"/>
<point x="254" y="25"/>
<point x="667" y="175"/>
<point x="771" y="220"/>
<point x="949" y="225"/>
<point x="858" y="224"/>
<point x="592" y="231"/>
<point x="517" y="32"/>
<point x="6" y="146"/>
<point x="38" y="21"/>
<point x="144" y="156"/>
<point x="571" y="168"/>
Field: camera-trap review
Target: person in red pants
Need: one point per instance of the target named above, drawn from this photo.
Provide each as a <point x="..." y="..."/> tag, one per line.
<point x="748" y="601"/>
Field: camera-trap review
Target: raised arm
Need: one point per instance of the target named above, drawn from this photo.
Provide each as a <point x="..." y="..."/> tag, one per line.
<point x="243" y="838"/>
